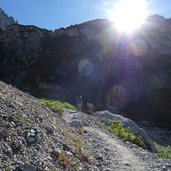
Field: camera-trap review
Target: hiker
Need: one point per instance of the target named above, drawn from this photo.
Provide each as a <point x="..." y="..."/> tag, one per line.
<point x="91" y="108"/>
<point x="79" y="101"/>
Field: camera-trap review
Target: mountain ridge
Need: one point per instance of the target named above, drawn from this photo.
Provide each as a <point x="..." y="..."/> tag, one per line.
<point x="5" y="20"/>
<point x="94" y="60"/>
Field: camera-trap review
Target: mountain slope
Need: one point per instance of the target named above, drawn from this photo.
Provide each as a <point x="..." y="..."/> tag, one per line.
<point x="130" y="73"/>
<point x="33" y="138"/>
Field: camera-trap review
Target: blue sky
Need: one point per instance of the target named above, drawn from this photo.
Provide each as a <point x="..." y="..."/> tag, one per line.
<point x="53" y="14"/>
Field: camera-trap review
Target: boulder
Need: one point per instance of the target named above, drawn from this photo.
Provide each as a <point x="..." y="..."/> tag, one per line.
<point x="25" y="167"/>
<point x="4" y="133"/>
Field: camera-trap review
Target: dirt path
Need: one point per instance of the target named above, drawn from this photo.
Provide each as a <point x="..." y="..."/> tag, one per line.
<point x="122" y="156"/>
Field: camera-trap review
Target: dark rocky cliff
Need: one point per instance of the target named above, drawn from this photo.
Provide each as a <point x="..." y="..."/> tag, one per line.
<point x="131" y="73"/>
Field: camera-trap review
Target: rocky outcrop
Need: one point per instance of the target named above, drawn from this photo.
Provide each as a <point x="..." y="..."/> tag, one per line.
<point x="5" y="20"/>
<point x="130" y="73"/>
<point x="20" y="46"/>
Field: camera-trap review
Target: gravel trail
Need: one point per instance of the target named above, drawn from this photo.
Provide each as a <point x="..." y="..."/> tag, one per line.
<point x="109" y="152"/>
<point x="123" y="158"/>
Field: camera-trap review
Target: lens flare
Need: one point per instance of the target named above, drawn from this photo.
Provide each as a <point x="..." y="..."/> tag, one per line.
<point x="138" y="47"/>
<point x="85" y="67"/>
<point x="117" y="96"/>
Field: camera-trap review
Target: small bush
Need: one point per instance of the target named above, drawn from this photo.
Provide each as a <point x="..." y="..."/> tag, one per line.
<point x="126" y="134"/>
<point x="69" y="106"/>
<point x="164" y="151"/>
<point x="57" y="106"/>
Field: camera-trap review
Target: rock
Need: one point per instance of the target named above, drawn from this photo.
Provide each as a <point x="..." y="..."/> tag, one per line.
<point x="30" y="140"/>
<point x="25" y="167"/>
<point x="4" y="133"/>
<point x="144" y="123"/>
<point x="49" y="130"/>
<point x="32" y="133"/>
<point x="5" y="20"/>
<point x="76" y="123"/>
<point x="16" y="146"/>
<point x="126" y="163"/>
<point x="129" y="123"/>
<point x="66" y="147"/>
<point x="55" y="153"/>
<point x="99" y="157"/>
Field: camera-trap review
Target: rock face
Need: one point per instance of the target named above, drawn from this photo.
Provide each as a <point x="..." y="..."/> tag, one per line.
<point x="5" y="21"/>
<point x="129" y="72"/>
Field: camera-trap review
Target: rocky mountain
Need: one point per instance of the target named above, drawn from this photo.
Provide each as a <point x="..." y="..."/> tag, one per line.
<point x="33" y="138"/>
<point x="5" y="20"/>
<point x="129" y="74"/>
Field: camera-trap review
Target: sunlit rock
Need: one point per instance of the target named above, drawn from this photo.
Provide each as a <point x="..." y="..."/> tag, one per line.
<point x="5" y="20"/>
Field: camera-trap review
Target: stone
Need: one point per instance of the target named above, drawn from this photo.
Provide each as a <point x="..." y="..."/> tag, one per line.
<point x="55" y="153"/>
<point x="49" y="130"/>
<point x="75" y="123"/>
<point x="30" y="140"/>
<point x="4" y="133"/>
<point x="25" y="167"/>
<point x="66" y="147"/>
<point x="16" y="146"/>
<point x="99" y="157"/>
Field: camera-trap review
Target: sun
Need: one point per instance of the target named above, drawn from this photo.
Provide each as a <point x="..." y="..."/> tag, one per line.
<point x="128" y="15"/>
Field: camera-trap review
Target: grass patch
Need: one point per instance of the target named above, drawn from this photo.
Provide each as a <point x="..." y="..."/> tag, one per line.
<point x="164" y="151"/>
<point x="79" y="144"/>
<point x="57" y="106"/>
<point x="67" y="160"/>
<point x="126" y="134"/>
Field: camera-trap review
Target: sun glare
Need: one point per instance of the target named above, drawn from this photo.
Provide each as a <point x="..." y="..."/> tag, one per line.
<point x="128" y="15"/>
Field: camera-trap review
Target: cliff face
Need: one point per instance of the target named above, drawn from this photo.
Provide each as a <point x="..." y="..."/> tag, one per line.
<point x="130" y="73"/>
<point x="5" y="20"/>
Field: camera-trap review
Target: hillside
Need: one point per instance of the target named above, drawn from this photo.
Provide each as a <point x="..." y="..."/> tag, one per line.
<point x="33" y="138"/>
<point x="130" y="73"/>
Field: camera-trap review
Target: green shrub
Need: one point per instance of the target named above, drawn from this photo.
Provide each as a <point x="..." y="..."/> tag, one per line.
<point x="69" y="106"/>
<point x="56" y="105"/>
<point x="164" y="151"/>
<point x="126" y="134"/>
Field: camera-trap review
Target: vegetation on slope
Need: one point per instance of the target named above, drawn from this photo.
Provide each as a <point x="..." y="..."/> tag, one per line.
<point x="164" y="151"/>
<point x="126" y="134"/>
<point x="57" y="106"/>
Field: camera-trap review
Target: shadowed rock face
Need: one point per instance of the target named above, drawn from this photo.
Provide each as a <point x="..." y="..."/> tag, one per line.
<point x="129" y="72"/>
